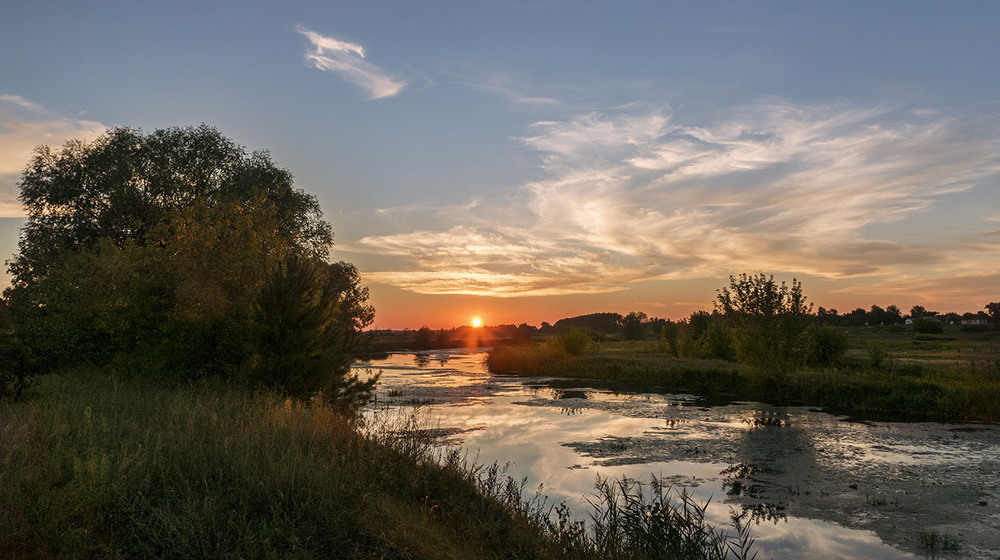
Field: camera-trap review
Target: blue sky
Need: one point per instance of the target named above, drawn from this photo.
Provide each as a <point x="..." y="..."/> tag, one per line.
<point x="527" y="161"/>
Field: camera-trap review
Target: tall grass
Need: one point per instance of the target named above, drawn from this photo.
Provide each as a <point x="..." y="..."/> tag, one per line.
<point x="95" y="467"/>
<point x="903" y="386"/>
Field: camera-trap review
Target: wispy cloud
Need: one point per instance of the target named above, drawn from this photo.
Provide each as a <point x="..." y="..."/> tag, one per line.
<point x="347" y="60"/>
<point x="774" y="186"/>
<point x="509" y="86"/>
<point x="25" y="125"/>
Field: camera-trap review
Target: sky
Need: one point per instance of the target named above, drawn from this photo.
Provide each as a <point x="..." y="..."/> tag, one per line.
<point x="525" y="161"/>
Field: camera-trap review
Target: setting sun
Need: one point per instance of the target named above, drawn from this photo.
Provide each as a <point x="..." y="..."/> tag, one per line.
<point x="477" y="322"/>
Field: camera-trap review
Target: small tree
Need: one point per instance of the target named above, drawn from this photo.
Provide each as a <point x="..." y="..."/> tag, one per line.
<point x="827" y="343"/>
<point x="634" y="326"/>
<point x="670" y="334"/>
<point x="993" y="308"/>
<point x="770" y="322"/>
<point x="300" y="336"/>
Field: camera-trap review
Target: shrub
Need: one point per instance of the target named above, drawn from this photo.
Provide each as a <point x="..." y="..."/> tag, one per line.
<point x="575" y="342"/>
<point x="718" y="341"/>
<point x="300" y="344"/>
<point x="926" y="325"/>
<point x="770" y="321"/>
<point x="827" y="343"/>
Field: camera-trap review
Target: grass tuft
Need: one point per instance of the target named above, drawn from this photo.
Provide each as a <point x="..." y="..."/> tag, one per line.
<point x="97" y="467"/>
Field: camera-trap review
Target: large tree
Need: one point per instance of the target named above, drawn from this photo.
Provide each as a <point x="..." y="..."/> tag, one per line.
<point x="153" y="250"/>
<point x="126" y="184"/>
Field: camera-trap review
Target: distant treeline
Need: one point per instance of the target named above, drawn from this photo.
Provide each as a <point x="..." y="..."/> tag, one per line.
<point x="636" y="325"/>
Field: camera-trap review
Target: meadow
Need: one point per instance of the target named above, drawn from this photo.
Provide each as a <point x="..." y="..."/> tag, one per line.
<point x="95" y="466"/>
<point x="891" y="373"/>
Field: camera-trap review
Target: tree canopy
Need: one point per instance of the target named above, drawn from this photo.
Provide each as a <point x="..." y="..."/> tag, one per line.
<point x="127" y="186"/>
<point x="160" y="250"/>
<point x="770" y="321"/>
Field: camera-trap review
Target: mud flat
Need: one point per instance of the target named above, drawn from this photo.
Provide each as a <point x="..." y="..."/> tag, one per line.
<point x="814" y="484"/>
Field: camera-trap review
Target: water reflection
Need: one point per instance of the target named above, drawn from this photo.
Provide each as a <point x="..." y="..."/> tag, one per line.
<point x="815" y="485"/>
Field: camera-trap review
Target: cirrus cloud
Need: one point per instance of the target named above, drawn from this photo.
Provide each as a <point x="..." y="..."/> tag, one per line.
<point x="774" y="186"/>
<point x="347" y="60"/>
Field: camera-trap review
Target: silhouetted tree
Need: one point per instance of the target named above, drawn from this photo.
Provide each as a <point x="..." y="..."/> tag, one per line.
<point x="302" y="336"/>
<point x="634" y="325"/>
<point x="151" y="251"/>
<point x="993" y="308"/>
<point x="770" y="322"/>
<point x="423" y="339"/>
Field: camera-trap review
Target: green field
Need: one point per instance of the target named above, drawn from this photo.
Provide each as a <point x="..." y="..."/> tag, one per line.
<point x="886" y="373"/>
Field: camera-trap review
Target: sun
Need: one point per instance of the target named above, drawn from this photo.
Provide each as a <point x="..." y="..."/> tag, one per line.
<point x="477" y="322"/>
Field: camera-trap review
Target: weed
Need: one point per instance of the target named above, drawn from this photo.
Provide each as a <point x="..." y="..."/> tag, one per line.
<point x="94" y="467"/>
<point x="935" y="543"/>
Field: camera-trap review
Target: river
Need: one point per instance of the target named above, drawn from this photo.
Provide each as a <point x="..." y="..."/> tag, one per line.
<point x="816" y="485"/>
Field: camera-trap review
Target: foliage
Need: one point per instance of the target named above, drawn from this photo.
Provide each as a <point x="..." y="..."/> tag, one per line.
<point x="918" y="311"/>
<point x="993" y="308"/>
<point x="304" y="324"/>
<point x="575" y="341"/>
<point x="148" y="253"/>
<point x="633" y="326"/>
<point x="718" y="341"/>
<point x="770" y="322"/>
<point x="928" y="325"/>
<point x="126" y="183"/>
<point x="670" y="334"/>
<point x="826" y="344"/>
<point x="14" y="367"/>
<point x="423" y="339"/>
<point x="605" y="323"/>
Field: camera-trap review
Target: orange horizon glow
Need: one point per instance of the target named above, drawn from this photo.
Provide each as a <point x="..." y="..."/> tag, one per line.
<point x="398" y="309"/>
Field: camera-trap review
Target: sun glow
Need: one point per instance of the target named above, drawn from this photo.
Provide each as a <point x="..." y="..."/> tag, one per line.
<point x="477" y="322"/>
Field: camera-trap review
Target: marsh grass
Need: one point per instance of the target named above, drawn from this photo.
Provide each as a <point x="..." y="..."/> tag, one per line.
<point x="94" y="467"/>
<point x="631" y="520"/>
<point x="888" y="375"/>
<point x="97" y="467"/>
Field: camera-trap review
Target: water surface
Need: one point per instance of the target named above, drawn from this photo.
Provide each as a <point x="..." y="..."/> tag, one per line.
<point x="815" y="484"/>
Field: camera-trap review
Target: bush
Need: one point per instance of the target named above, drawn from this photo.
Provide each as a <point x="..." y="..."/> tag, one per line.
<point x="826" y="344"/>
<point x="770" y="321"/>
<point x="718" y="341"/>
<point x="300" y="343"/>
<point x="670" y="335"/>
<point x="926" y="325"/>
<point x="574" y="342"/>
<point x="14" y="367"/>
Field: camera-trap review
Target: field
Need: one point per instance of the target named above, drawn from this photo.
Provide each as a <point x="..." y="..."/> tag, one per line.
<point x="886" y="373"/>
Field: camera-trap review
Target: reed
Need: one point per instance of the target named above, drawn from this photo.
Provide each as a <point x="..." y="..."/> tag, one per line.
<point x="97" y="467"/>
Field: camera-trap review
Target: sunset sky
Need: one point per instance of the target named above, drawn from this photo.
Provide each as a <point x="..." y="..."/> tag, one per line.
<point x="528" y="161"/>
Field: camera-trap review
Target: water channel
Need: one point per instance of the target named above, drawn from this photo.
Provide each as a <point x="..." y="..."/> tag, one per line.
<point x="816" y="485"/>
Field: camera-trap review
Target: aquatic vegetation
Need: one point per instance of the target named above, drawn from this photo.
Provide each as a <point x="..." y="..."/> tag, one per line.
<point x="891" y="376"/>
<point x="934" y="543"/>
<point x="632" y="520"/>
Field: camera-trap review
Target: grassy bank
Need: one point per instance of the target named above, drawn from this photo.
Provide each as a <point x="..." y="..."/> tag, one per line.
<point x="891" y="375"/>
<point x="94" y="467"/>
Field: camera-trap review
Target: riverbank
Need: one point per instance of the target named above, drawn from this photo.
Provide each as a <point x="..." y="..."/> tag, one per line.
<point x="98" y="467"/>
<point x="884" y="375"/>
